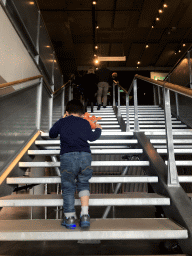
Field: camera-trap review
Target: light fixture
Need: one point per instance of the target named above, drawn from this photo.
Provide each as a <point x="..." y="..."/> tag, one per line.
<point x="97" y="27"/>
<point x="96" y="61"/>
<point x="152" y="26"/>
<point x="138" y="62"/>
<point x="95" y="55"/>
<point x="94" y="2"/>
<point x="96" y="47"/>
<point x="184" y="45"/>
<point x="165" y="5"/>
<point x="31" y="3"/>
<point x="160" y="11"/>
<point x="157" y="18"/>
<point x="147" y="46"/>
<point x="137" y="67"/>
<point x="179" y="51"/>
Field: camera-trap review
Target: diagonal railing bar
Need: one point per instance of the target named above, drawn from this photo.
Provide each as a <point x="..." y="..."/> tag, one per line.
<point x="4" y="85"/>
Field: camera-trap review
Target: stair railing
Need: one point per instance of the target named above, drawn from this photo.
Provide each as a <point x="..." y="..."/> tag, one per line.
<point x="127" y="93"/>
<point x="167" y="87"/>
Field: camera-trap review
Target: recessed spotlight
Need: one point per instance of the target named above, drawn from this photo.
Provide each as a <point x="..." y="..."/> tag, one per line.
<point x="147" y="46"/>
<point x="31" y="3"/>
<point x="165" y="5"/>
<point x="157" y="18"/>
<point x="97" y="27"/>
<point x="94" y="2"/>
<point x="184" y="45"/>
<point x="138" y="62"/>
<point x="96" y="47"/>
<point x="179" y="50"/>
<point x="160" y="11"/>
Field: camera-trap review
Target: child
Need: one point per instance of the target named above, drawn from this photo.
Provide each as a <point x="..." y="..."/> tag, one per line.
<point x="75" y="157"/>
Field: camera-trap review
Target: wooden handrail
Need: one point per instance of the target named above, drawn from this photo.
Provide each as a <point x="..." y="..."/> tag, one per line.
<point x="61" y="87"/>
<point x="173" y="87"/>
<point x="117" y="82"/>
<point x="20" y="81"/>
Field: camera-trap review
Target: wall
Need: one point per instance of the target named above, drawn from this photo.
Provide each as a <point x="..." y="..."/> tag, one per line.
<point x="15" y="61"/>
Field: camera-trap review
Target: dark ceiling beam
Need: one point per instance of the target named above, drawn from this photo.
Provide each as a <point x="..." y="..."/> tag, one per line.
<point x="89" y="10"/>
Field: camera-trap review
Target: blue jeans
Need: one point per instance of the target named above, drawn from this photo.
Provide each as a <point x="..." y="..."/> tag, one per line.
<point x="75" y="174"/>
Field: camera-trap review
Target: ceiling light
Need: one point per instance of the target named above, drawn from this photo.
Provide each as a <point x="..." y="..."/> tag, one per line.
<point x="96" y="61"/>
<point x="97" y="27"/>
<point x="95" y="55"/>
<point x="31" y="3"/>
<point x="184" y="45"/>
<point x="138" y="62"/>
<point x="94" y="2"/>
<point x="160" y="10"/>
<point x="137" y="67"/>
<point x="147" y="46"/>
<point x="96" y="47"/>
<point x="179" y="50"/>
<point x="165" y="5"/>
<point x="152" y="26"/>
<point x="157" y="18"/>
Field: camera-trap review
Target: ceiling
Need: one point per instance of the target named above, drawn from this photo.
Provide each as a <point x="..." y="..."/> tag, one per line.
<point x="125" y="28"/>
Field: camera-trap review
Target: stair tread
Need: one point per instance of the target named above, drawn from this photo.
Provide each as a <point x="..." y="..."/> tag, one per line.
<point x="134" y="228"/>
<point x="130" y="198"/>
<point x="94" y="179"/>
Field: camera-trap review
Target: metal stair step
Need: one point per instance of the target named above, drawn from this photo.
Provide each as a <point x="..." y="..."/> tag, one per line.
<point x="128" y="199"/>
<point x="94" y="163"/>
<point x="102" y="229"/>
<point x="94" y="151"/>
<point x="94" y="179"/>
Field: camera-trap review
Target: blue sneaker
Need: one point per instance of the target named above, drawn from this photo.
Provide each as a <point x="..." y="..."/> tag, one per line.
<point x="84" y="221"/>
<point x="69" y="222"/>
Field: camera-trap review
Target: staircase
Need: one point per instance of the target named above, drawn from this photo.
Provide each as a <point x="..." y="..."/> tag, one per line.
<point x="119" y="180"/>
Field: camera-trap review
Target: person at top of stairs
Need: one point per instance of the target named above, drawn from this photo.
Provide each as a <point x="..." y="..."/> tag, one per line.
<point x="75" y="158"/>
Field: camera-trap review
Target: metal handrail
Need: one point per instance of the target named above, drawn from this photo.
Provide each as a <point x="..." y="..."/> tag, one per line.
<point x="20" y="81"/>
<point x="173" y="87"/>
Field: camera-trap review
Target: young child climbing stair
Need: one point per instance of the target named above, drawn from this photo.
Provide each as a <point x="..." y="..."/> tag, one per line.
<point x="75" y="158"/>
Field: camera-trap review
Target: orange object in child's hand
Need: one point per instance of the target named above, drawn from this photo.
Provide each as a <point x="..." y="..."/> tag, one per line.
<point x="91" y="119"/>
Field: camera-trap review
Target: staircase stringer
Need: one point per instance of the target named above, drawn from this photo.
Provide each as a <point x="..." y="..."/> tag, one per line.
<point x="180" y="209"/>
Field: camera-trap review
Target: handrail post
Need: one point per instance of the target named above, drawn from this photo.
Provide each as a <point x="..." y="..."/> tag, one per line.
<point x="172" y="170"/>
<point x="159" y="95"/>
<point x="177" y="104"/>
<point x="154" y="96"/>
<point x="119" y="111"/>
<point x="69" y="93"/>
<point x="51" y="98"/>
<point x="39" y="104"/>
<point x="189" y="65"/>
<point x="63" y="100"/>
<point x="113" y="94"/>
<point x="127" y="112"/>
<point x="136" y="122"/>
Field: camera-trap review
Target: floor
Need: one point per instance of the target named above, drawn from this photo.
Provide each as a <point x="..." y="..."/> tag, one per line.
<point x="56" y="248"/>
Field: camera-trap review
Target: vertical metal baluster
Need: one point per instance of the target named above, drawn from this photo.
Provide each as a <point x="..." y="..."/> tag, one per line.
<point x="119" y="111"/>
<point x="69" y="96"/>
<point x="32" y="206"/>
<point x="136" y="123"/>
<point x="177" y="104"/>
<point x="172" y="170"/>
<point x="39" y="104"/>
<point x="57" y="211"/>
<point x="113" y="94"/>
<point x="159" y="95"/>
<point x="127" y="112"/>
<point x="63" y="101"/>
<point x="46" y="206"/>
<point x="154" y="95"/>
<point x="189" y="65"/>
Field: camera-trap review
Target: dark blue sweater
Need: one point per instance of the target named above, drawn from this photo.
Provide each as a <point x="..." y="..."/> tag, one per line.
<point x="74" y="134"/>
